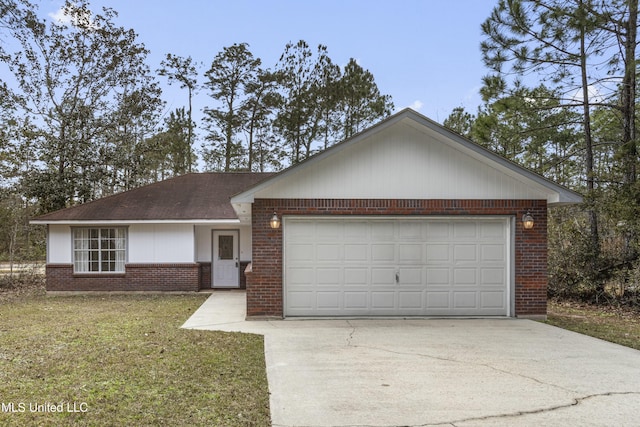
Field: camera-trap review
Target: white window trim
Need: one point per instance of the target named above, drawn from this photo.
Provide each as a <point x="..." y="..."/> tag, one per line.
<point x="119" y="263"/>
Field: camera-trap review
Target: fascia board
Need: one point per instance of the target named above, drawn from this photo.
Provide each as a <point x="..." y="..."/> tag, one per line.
<point x="136" y="221"/>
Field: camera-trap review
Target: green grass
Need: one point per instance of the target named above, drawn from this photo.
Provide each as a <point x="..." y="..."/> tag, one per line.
<point x="617" y="325"/>
<point x="124" y="360"/>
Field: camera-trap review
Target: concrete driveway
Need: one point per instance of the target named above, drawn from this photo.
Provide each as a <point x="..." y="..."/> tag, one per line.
<point x="424" y="372"/>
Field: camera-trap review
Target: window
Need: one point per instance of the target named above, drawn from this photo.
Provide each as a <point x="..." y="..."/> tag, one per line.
<point x="100" y="250"/>
<point x="225" y="247"/>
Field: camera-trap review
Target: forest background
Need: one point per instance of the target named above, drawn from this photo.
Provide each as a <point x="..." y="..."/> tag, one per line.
<point x="83" y="117"/>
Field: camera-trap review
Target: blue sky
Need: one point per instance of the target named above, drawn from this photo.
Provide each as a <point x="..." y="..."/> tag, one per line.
<point x="424" y="53"/>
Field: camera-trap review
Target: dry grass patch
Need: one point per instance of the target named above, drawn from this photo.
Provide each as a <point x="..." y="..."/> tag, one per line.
<point x="123" y="360"/>
<point x="615" y="324"/>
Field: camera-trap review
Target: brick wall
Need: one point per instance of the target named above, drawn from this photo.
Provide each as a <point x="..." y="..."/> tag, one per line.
<point x="205" y="275"/>
<point x="137" y="277"/>
<point x="264" y="286"/>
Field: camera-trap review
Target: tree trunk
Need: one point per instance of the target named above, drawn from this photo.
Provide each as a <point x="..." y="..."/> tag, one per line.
<point x="593" y="217"/>
<point x="628" y="95"/>
<point x="189" y="132"/>
<point x="629" y="147"/>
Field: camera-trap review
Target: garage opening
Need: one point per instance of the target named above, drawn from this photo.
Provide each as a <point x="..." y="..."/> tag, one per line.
<point x="397" y="266"/>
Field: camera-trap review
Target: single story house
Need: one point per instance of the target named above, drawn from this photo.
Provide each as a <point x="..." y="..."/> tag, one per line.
<point x="404" y="219"/>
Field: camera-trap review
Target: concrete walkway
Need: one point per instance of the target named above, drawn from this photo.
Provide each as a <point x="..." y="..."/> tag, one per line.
<point x="423" y="372"/>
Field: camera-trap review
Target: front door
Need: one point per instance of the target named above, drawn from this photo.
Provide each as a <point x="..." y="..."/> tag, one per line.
<point x="226" y="266"/>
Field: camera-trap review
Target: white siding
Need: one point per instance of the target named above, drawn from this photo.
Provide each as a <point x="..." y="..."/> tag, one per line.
<point x="161" y="243"/>
<point x="203" y="241"/>
<point x="59" y="244"/>
<point x="404" y="163"/>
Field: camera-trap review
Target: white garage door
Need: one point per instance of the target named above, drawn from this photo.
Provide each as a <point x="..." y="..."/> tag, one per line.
<point x="343" y="266"/>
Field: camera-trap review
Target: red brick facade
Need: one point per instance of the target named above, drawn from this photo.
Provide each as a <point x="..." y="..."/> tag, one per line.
<point x="265" y="288"/>
<point x="137" y="277"/>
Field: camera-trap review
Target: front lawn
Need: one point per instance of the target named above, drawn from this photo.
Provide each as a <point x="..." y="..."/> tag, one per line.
<point x="618" y="325"/>
<point x="123" y="360"/>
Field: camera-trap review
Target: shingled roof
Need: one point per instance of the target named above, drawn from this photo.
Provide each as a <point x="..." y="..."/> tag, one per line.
<point x="196" y="196"/>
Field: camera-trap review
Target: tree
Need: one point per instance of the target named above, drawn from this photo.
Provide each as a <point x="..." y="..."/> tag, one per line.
<point x="529" y="126"/>
<point x="72" y="76"/>
<point x="586" y="51"/>
<point x="359" y="99"/>
<point x="554" y="39"/>
<point x="262" y="100"/>
<point x="184" y="71"/>
<point x="460" y="122"/>
<point x="328" y="95"/>
<point x="177" y="143"/>
<point x="231" y="72"/>
<point x="323" y="104"/>
<point x="300" y="76"/>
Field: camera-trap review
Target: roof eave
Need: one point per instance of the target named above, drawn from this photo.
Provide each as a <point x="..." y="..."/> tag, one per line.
<point x="194" y="221"/>
<point x="565" y="196"/>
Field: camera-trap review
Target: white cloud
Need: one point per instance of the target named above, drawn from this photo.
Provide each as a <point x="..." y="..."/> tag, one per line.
<point x="593" y="93"/>
<point x="416" y="105"/>
<point x="60" y="16"/>
<point x="63" y="16"/>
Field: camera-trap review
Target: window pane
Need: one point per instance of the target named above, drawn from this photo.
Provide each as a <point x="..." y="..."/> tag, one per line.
<point x="99" y="249"/>
<point x="225" y="247"/>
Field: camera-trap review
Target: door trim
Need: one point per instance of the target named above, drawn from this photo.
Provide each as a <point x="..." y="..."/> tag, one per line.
<point x="236" y="255"/>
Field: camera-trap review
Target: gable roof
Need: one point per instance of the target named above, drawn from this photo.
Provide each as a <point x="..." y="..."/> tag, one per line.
<point x="192" y="197"/>
<point x="405" y="149"/>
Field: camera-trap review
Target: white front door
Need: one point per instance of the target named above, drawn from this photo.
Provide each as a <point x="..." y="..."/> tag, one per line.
<point x="226" y="266"/>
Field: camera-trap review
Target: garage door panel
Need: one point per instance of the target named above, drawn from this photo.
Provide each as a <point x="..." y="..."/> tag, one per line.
<point x="437" y="276"/>
<point x="438" y="230"/>
<point x="383" y="252"/>
<point x="410" y="276"/>
<point x="329" y="230"/>
<point x="297" y="300"/>
<point x="356" y="252"/>
<point x="383" y="300"/>
<point x="328" y="300"/>
<point x="356" y="300"/>
<point x="496" y="299"/>
<point x="419" y="266"/>
<point x="464" y="230"/>
<point x="357" y="231"/>
<point x="495" y="276"/>
<point x="438" y="300"/>
<point x="411" y="231"/>
<point x="410" y="300"/>
<point x="465" y="253"/>
<point x="327" y="252"/>
<point x="492" y="252"/>
<point x="410" y="253"/>
<point x="329" y="276"/>
<point x="492" y="230"/>
<point x="356" y="276"/>
<point x="300" y="276"/>
<point x="438" y="253"/>
<point x="464" y="276"/>
<point x="465" y="300"/>
<point x="383" y="230"/>
<point x="301" y="252"/>
<point x="383" y="276"/>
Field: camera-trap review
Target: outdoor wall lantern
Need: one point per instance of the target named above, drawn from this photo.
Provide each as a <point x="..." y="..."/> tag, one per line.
<point x="527" y="221"/>
<point x="275" y="221"/>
